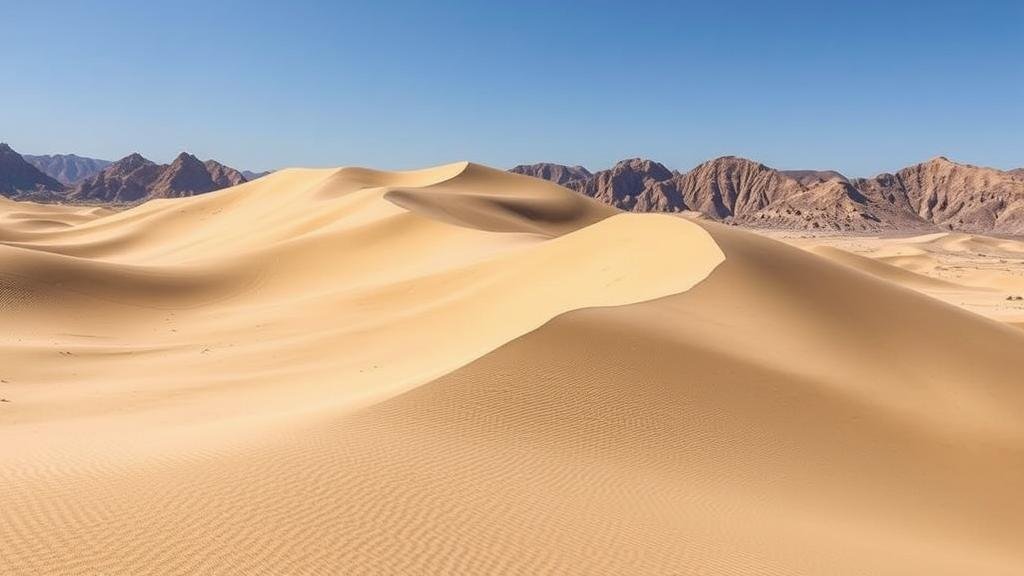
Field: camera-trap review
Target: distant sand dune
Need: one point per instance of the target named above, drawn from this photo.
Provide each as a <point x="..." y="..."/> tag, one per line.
<point x="464" y="371"/>
<point x="981" y="274"/>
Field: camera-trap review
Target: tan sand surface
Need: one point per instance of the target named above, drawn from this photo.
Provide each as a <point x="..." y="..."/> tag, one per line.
<point x="462" y="371"/>
<point x="978" y="273"/>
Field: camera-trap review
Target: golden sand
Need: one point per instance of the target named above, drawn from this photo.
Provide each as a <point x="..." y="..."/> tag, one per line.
<point x="463" y="371"/>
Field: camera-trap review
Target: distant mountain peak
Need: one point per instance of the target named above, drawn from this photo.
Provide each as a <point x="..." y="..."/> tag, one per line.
<point x="134" y="157"/>
<point x="68" y="169"/>
<point x="653" y="169"/>
<point x="937" y="193"/>
<point x="20" y="178"/>
<point x="557" y="173"/>
<point x="135" y="178"/>
<point x="186" y="157"/>
<point x="131" y="162"/>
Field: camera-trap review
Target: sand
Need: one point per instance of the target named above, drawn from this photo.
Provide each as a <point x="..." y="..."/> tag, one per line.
<point x="977" y="273"/>
<point x="463" y="371"/>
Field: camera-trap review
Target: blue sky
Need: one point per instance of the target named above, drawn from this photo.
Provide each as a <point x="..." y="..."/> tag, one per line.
<point x="862" y="87"/>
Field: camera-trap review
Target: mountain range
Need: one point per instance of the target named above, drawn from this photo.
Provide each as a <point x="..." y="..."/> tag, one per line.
<point x="131" y="179"/>
<point x="68" y="169"/>
<point x="134" y="178"/>
<point x="935" y="194"/>
<point x="19" y="178"/>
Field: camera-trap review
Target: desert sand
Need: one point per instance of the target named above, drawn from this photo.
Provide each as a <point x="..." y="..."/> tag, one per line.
<point x="978" y="273"/>
<point x="464" y="371"/>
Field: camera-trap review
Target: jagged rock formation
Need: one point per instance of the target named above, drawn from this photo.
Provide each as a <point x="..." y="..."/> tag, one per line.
<point x="127" y="180"/>
<point x="557" y="173"/>
<point x="733" y="188"/>
<point x="67" y="169"/>
<point x="935" y="194"/>
<point x="632" y="184"/>
<point x="224" y="176"/>
<point x="833" y="205"/>
<point x="186" y="176"/>
<point x="954" y="196"/>
<point x="135" y="179"/>
<point x="20" y="179"/>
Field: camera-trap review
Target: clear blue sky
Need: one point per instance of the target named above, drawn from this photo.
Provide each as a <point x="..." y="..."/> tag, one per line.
<point x="861" y="86"/>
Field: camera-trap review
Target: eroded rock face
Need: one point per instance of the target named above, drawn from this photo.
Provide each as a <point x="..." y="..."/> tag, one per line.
<point x="938" y="193"/>
<point x="956" y="196"/>
<point x="19" y="178"/>
<point x="557" y="173"/>
<point x="224" y="176"/>
<point x="733" y="187"/>
<point x="127" y="180"/>
<point x="68" y="169"/>
<point x="135" y="179"/>
<point x="632" y="184"/>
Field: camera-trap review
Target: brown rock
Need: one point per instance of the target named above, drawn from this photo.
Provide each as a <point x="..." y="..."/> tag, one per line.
<point x="557" y="173"/>
<point x="136" y="179"/>
<point x="20" y="179"/>
<point x="67" y="169"/>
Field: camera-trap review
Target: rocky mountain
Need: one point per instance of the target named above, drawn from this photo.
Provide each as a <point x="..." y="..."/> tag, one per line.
<point x="249" y="175"/>
<point x="935" y="194"/>
<point x="1018" y="172"/>
<point x="135" y="179"/>
<point x="127" y="180"/>
<point x="953" y="196"/>
<point x="557" y="173"/>
<point x="20" y="179"/>
<point x="734" y="188"/>
<point x="630" y="185"/>
<point x="224" y="176"/>
<point x="812" y="177"/>
<point x="67" y="168"/>
<point x="832" y="205"/>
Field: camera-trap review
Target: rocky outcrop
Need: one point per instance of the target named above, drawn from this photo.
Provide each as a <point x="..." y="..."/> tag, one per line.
<point x="186" y="176"/>
<point x="136" y="179"/>
<point x="67" y="169"/>
<point x="833" y="205"/>
<point x="934" y="194"/>
<point x="734" y="188"/>
<point x="127" y="180"/>
<point x="224" y="176"/>
<point x="953" y="196"/>
<point x="633" y="184"/>
<point x="249" y="175"/>
<point x="557" y="173"/>
<point x="20" y="179"/>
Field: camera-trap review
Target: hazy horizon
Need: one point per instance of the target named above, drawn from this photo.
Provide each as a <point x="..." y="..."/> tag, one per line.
<point x="862" y="88"/>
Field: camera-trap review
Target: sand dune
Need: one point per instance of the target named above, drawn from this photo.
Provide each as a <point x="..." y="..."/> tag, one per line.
<point x="464" y="371"/>
<point x="978" y="273"/>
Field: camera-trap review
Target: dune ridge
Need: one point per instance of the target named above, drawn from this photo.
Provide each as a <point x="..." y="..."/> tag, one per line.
<point x="461" y="370"/>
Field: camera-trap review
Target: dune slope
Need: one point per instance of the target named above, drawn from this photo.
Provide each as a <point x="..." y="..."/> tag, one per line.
<point x="982" y="274"/>
<point x="463" y="371"/>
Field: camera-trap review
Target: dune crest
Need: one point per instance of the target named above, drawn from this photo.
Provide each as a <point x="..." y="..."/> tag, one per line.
<point x="317" y="277"/>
